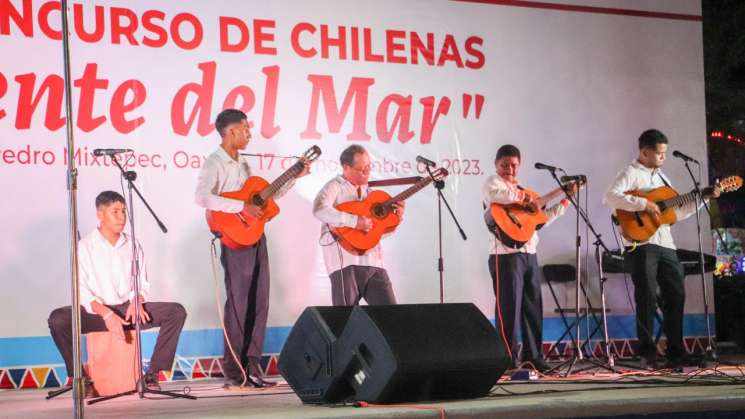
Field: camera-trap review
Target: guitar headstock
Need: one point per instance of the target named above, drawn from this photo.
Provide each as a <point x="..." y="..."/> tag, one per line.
<point x="730" y="183"/>
<point x="312" y="153"/>
<point x="440" y="173"/>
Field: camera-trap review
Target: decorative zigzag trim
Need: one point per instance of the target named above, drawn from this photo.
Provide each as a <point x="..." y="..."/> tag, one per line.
<point x="199" y="368"/>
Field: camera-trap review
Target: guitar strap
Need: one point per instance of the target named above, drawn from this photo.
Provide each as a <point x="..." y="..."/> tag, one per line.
<point x="659" y="173"/>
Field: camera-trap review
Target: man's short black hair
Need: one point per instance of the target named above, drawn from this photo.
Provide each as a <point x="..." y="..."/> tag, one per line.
<point x="508" y="150"/>
<point x="107" y="198"/>
<point x="227" y="117"/>
<point x="650" y="138"/>
<point x="347" y="156"/>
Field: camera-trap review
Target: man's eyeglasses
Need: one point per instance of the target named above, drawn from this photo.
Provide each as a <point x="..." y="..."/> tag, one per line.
<point x="365" y="169"/>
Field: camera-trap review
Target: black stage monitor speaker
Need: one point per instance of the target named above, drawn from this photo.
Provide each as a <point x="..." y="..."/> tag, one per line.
<point x="307" y="358"/>
<point x="420" y="352"/>
<point x="389" y="354"/>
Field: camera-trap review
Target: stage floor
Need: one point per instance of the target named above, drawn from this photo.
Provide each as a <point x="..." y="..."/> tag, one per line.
<point x="710" y="393"/>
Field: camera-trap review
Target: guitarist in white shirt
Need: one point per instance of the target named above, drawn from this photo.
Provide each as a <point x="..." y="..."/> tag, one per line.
<point x="353" y="276"/>
<point x="247" y="268"/>
<point x="516" y="276"/>
<point x="654" y="263"/>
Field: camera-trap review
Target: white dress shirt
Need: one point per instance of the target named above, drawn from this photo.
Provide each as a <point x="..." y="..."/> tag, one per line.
<point x="221" y="173"/>
<point x="105" y="270"/>
<point x="498" y="191"/>
<point x="637" y="177"/>
<point x="336" y="191"/>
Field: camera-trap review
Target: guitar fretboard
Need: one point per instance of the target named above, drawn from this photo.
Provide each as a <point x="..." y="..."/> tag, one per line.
<point x="278" y="183"/>
<point x="679" y="200"/>
<point x="409" y="191"/>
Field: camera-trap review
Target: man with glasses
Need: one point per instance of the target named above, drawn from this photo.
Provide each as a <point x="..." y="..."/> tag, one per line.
<point x="353" y="276"/>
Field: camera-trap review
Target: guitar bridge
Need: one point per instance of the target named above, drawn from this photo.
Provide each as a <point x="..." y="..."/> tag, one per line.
<point x="243" y="219"/>
<point x="639" y="220"/>
<point x="514" y="219"/>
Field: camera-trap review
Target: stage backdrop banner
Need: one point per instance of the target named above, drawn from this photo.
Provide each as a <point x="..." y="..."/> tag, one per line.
<point x="571" y="83"/>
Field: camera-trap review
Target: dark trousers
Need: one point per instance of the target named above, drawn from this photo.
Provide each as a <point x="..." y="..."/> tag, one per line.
<point x="247" y="304"/>
<point x="360" y="282"/>
<point x="654" y="266"/>
<point x="520" y="302"/>
<point x="169" y="317"/>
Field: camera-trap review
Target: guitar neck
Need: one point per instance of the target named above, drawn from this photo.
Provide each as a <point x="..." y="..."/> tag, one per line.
<point x="410" y="191"/>
<point x="278" y="183"/>
<point x="679" y="200"/>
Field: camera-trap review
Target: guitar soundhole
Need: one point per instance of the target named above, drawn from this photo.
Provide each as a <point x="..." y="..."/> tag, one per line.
<point x="379" y="211"/>
<point x="257" y="200"/>
<point x="662" y="206"/>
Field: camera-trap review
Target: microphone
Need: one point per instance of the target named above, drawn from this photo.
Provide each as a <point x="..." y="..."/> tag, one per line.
<point x="110" y="151"/>
<point x="425" y="161"/>
<point x="541" y="166"/>
<point x="575" y="178"/>
<point x="680" y="155"/>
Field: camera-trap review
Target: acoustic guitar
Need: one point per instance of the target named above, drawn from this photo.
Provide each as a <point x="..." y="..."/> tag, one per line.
<point x="237" y="230"/>
<point x="640" y="225"/>
<point x="514" y="224"/>
<point x="378" y="207"/>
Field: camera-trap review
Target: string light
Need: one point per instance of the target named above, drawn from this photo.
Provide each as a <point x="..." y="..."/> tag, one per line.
<point x="719" y="135"/>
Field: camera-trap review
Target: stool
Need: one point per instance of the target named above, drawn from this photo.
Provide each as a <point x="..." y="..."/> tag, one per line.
<point x="112" y="362"/>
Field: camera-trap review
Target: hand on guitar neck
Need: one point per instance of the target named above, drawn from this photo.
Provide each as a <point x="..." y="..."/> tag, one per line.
<point x="570" y="188"/>
<point x="709" y="192"/>
<point x="712" y="191"/>
<point x="306" y="167"/>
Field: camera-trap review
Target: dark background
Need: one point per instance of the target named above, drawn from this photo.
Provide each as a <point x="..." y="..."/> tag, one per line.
<point x="724" y="67"/>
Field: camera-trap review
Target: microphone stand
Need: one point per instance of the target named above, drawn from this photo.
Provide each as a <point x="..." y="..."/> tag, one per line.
<point x="711" y="354"/>
<point x="598" y="243"/>
<point x="439" y="185"/>
<point x="78" y="380"/>
<point x="140" y="387"/>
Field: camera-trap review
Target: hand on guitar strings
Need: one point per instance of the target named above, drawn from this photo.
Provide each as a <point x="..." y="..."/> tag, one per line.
<point x="653" y="210"/>
<point x="364" y="223"/>
<point x="252" y="211"/>
<point x="531" y="203"/>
